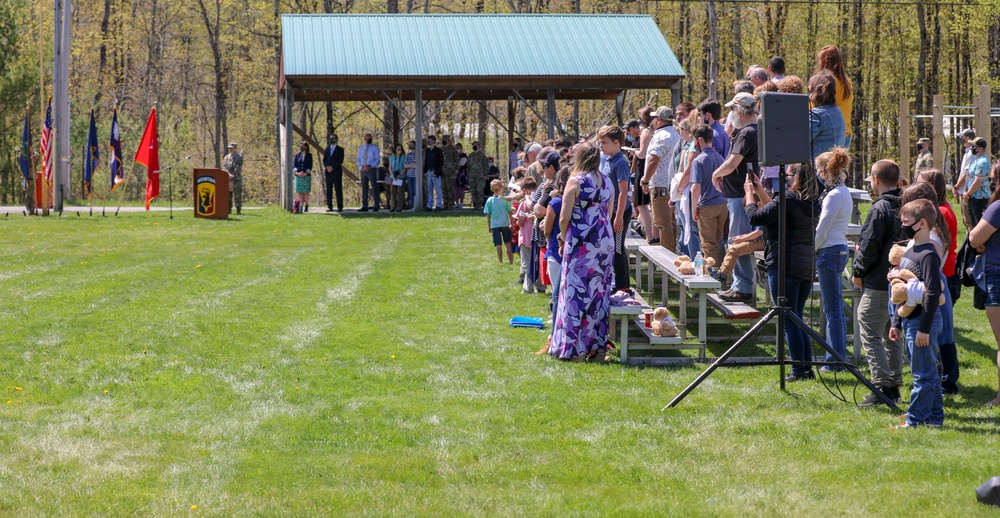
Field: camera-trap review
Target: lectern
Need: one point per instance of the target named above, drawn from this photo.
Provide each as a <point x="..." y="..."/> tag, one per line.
<point x="211" y="193"/>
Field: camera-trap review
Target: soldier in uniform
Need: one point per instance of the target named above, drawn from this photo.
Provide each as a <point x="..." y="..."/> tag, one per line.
<point x="924" y="158"/>
<point x="233" y="164"/>
<point x="478" y="167"/>
<point x="449" y="170"/>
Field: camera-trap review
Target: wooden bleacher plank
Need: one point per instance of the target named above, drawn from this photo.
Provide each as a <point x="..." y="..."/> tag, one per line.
<point x="733" y="310"/>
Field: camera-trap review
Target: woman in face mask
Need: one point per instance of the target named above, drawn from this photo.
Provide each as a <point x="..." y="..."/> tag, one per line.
<point x="831" y="245"/>
<point x="303" y="176"/>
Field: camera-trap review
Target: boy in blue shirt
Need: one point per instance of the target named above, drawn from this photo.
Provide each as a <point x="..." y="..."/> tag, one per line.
<point x="617" y="169"/>
<point x="498" y="211"/>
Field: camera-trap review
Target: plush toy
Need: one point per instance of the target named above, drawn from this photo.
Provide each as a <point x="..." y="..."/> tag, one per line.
<point x="896" y="254"/>
<point x="907" y="292"/>
<point x="662" y="324"/>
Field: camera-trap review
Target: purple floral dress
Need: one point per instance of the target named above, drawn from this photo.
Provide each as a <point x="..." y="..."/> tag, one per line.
<point x="581" y="325"/>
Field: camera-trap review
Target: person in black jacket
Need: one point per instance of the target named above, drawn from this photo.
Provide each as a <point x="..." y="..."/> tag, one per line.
<point x="433" y="169"/>
<point x="871" y="265"/>
<point x="333" y="161"/>
<point x="801" y="212"/>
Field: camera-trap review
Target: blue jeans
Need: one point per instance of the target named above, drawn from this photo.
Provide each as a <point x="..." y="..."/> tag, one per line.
<point x="830" y="264"/>
<point x="926" y="405"/>
<point x="739" y="224"/>
<point x="411" y="182"/>
<point x="796" y="293"/>
<point x="434" y="187"/>
<point x="693" y="245"/>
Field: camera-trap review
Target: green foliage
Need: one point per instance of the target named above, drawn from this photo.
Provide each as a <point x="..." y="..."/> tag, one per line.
<point x="308" y="365"/>
<point x="159" y="51"/>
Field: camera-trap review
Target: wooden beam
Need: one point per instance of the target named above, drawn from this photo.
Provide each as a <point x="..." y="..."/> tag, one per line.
<point x="904" y="138"/>
<point x="983" y="123"/>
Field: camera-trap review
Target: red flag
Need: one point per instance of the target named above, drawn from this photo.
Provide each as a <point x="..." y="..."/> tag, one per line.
<point x="149" y="156"/>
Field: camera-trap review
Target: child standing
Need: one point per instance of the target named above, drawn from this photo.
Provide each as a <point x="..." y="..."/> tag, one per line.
<point x="526" y="223"/>
<point x="498" y="211"/>
<point x="922" y="327"/>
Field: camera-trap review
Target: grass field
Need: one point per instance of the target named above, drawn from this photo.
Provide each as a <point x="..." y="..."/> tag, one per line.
<point x="302" y="365"/>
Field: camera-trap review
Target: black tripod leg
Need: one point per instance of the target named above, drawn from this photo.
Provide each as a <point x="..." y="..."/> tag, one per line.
<point x="729" y="352"/>
<point x="849" y="366"/>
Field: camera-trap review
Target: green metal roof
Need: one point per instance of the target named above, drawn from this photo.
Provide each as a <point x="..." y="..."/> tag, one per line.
<point x="474" y="45"/>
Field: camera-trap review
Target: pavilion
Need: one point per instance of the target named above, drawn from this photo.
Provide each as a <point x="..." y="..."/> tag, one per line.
<point x="479" y="57"/>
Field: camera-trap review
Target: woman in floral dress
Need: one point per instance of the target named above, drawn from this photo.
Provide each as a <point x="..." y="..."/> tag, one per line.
<point x="580" y="331"/>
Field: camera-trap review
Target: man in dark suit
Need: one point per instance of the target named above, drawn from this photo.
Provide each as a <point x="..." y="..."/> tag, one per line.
<point x="333" y="160"/>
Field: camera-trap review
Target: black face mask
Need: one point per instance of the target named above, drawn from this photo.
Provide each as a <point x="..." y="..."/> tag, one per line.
<point x="302" y="150"/>
<point x="368" y="141"/>
<point x="909" y="231"/>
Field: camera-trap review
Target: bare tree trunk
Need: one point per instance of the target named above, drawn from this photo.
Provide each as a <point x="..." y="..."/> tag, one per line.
<point x="994" y="46"/>
<point x="923" y="96"/>
<point x="212" y="27"/>
<point x="859" y="112"/>
<point x="737" y="41"/>
<point x="811" y="29"/>
<point x="104" y="50"/>
<point x="713" y="65"/>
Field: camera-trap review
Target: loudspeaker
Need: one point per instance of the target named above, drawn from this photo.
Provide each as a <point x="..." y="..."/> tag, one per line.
<point x="783" y="129"/>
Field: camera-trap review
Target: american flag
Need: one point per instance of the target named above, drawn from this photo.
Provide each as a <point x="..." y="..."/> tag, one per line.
<point x="47" y="144"/>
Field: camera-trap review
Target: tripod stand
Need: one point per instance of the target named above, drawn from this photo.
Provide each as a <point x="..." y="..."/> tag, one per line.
<point x="780" y="309"/>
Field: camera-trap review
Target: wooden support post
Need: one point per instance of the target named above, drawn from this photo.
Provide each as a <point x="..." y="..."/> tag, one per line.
<point x="937" y="133"/>
<point x="395" y="125"/>
<point x="619" y="106"/>
<point x="510" y="135"/>
<point x="288" y="179"/>
<point x="551" y="115"/>
<point x="418" y="199"/>
<point x="983" y="122"/>
<point x="904" y="138"/>
<point x="675" y="94"/>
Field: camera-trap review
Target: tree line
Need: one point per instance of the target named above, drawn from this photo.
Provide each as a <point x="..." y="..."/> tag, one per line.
<point x="210" y="67"/>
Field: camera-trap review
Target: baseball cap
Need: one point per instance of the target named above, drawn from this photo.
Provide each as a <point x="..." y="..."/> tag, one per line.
<point x="552" y="160"/>
<point x="968" y="133"/>
<point x="533" y="147"/>
<point x="664" y="113"/>
<point x="979" y="143"/>
<point x="232" y="144"/>
<point x="633" y="123"/>
<point x="743" y="99"/>
<point x="924" y="141"/>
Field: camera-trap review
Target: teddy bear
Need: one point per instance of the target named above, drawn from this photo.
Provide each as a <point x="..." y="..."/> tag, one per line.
<point x="896" y="254"/>
<point x="662" y="324"/>
<point x="907" y="291"/>
<point x="686" y="267"/>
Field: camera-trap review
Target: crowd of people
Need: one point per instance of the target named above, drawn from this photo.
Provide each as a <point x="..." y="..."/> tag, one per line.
<point x="390" y="180"/>
<point x="691" y="176"/>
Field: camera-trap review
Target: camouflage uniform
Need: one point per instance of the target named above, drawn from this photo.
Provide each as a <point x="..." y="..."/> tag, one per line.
<point x="449" y="173"/>
<point x="233" y="164"/>
<point x="478" y="166"/>
<point x="924" y="162"/>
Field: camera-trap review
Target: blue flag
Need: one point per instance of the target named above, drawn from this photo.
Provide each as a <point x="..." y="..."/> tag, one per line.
<point x="115" y="160"/>
<point x="91" y="158"/>
<point x="25" y="159"/>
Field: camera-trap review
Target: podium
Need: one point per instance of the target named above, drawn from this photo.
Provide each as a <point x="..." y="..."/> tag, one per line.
<point x="211" y="193"/>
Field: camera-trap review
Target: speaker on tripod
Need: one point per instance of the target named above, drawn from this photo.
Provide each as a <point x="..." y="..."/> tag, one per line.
<point x="783" y="137"/>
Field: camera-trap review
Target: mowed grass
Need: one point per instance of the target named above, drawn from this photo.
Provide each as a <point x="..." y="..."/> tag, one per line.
<point x="323" y="365"/>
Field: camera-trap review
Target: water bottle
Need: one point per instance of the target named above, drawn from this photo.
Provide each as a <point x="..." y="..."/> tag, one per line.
<point x="699" y="264"/>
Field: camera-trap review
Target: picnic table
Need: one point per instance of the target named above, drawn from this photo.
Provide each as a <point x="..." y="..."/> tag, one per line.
<point x="859" y="196"/>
